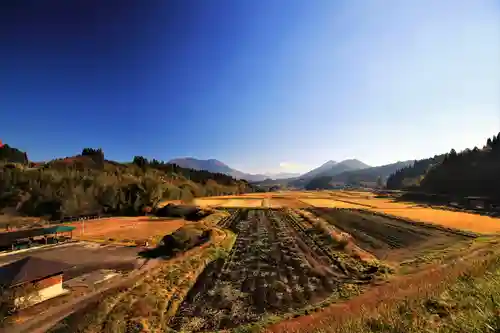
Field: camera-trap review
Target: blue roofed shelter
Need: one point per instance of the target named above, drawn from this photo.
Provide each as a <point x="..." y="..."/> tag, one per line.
<point x="26" y="238"/>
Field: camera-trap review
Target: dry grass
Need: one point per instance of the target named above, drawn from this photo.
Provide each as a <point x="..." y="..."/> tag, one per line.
<point x="208" y="202"/>
<point x="451" y="219"/>
<point x="286" y="203"/>
<point x="243" y="203"/>
<point x="123" y="228"/>
<point x="408" y="303"/>
<point x="329" y="203"/>
<point x="149" y="304"/>
<point x="359" y="200"/>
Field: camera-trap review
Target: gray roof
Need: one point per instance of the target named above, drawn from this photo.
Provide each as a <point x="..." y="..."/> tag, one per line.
<point x="29" y="269"/>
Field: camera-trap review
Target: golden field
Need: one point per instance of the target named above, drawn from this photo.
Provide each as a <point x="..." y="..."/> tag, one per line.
<point x="357" y="200"/>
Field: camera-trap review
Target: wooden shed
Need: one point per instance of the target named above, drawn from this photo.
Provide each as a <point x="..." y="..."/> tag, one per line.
<point x="42" y="279"/>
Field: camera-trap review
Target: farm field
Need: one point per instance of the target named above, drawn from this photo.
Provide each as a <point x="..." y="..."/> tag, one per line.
<point x="365" y="201"/>
<point x="382" y="235"/>
<point x="446" y="218"/>
<point x="125" y="228"/>
<point x="304" y="262"/>
<point x="278" y="264"/>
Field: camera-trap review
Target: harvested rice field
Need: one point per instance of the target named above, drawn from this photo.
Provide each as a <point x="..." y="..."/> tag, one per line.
<point x="125" y="228"/>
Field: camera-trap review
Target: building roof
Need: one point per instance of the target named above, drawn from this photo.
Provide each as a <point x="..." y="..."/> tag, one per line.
<point x="7" y="238"/>
<point x="29" y="269"/>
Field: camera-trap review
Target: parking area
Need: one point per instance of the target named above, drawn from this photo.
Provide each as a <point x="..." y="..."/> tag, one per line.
<point x="84" y="257"/>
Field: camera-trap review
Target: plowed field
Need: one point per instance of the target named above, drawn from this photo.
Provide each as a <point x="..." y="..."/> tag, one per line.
<point x="277" y="264"/>
<point x="380" y="234"/>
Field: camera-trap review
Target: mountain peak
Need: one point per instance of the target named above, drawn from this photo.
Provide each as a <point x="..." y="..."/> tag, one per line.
<point x="215" y="166"/>
<point x="332" y="167"/>
<point x="354" y="164"/>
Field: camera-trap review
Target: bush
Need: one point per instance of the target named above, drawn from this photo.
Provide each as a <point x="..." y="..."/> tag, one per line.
<point x="181" y="240"/>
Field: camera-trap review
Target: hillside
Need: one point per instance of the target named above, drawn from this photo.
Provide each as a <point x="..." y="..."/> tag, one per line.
<point x="371" y="175"/>
<point x="282" y="175"/>
<point x="329" y="169"/>
<point x="322" y="168"/>
<point x="346" y="165"/>
<point x="216" y="166"/>
<point x="9" y="154"/>
<point x="470" y="172"/>
<point x="411" y="175"/>
<point x="90" y="184"/>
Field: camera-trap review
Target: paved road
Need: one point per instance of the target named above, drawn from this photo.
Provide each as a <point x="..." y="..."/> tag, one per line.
<point x="10" y="257"/>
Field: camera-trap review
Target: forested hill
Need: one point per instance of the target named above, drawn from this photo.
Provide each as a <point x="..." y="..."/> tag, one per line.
<point x="470" y="172"/>
<point x="89" y="184"/>
<point x="411" y="175"/>
<point x="356" y="177"/>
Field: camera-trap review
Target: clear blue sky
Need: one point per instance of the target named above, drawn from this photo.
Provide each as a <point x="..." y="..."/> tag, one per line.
<point x="254" y="84"/>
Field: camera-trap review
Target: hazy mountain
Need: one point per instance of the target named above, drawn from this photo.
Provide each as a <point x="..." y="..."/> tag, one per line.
<point x="330" y="168"/>
<point x="282" y="175"/>
<point x="370" y="174"/>
<point x="314" y="172"/>
<point x="211" y="165"/>
<point x="346" y="165"/>
<point x="216" y="166"/>
<point x="356" y="177"/>
<point x="327" y="169"/>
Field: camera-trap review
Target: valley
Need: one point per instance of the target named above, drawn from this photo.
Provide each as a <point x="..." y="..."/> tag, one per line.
<point x="274" y="261"/>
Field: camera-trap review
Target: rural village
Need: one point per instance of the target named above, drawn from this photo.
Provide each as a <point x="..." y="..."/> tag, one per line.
<point x="175" y="166"/>
<point x="262" y="260"/>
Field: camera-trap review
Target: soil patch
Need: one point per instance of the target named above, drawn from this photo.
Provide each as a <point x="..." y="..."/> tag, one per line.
<point x="381" y="235"/>
<point x="269" y="271"/>
<point x="124" y="228"/>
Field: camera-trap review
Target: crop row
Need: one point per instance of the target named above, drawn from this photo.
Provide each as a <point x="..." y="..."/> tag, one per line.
<point x="266" y="272"/>
<point x="150" y="303"/>
<point x="320" y="237"/>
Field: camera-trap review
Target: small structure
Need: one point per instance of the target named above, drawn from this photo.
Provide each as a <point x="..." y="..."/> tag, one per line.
<point x="37" y="236"/>
<point x="478" y="202"/>
<point x="33" y="280"/>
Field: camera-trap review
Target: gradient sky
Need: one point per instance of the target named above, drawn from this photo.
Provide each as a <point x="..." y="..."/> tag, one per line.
<point x="260" y="85"/>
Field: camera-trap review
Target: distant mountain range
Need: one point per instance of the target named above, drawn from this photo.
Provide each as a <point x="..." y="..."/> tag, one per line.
<point x="328" y="169"/>
<point x="346" y="171"/>
<point x="216" y="166"/>
<point x="361" y="177"/>
<point x="332" y="168"/>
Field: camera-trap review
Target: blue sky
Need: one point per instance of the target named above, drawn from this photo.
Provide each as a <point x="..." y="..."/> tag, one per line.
<point x="264" y="86"/>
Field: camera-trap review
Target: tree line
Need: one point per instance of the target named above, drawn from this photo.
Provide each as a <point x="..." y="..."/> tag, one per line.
<point x="469" y="172"/>
<point x="89" y="184"/>
<point x="410" y="176"/>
